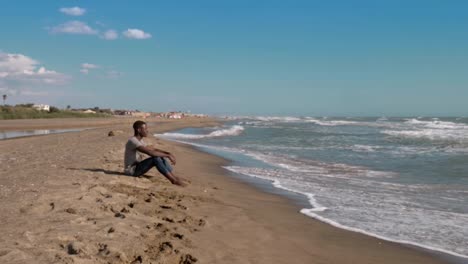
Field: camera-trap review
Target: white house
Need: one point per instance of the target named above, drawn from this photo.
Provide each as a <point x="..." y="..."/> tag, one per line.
<point x="42" y="107"/>
<point x="175" y="115"/>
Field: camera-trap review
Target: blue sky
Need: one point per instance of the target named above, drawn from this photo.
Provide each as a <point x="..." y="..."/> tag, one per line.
<point x="347" y="58"/>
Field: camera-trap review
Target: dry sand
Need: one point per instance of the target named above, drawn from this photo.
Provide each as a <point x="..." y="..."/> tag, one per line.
<point x="56" y="123"/>
<point x="65" y="200"/>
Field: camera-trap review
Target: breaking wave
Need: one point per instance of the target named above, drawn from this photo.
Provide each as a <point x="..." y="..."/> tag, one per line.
<point x="232" y="131"/>
<point x="432" y="130"/>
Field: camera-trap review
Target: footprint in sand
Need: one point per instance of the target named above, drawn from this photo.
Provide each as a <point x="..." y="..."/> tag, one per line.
<point x="150" y="197"/>
<point x="70" y="211"/>
<point x="183" y="207"/>
<point x="103" y="250"/>
<point x="201" y="222"/>
<point x="165" y="247"/>
<point x="159" y="227"/>
<point x="187" y="259"/>
<point x="72" y="248"/>
<point x="119" y="215"/>
<point x="137" y="260"/>
<point x="177" y="235"/>
<point x="167" y="219"/>
<point x="38" y="207"/>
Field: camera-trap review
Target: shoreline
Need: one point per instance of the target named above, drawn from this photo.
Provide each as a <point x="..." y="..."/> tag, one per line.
<point x="153" y="220"/>
<point x="96" y="122"/>
<point x="301" y="202"/>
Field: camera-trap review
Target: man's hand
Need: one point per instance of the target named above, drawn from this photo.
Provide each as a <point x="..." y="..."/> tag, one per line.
<point x="172" y="159"/>
<point x="153" y="152"/>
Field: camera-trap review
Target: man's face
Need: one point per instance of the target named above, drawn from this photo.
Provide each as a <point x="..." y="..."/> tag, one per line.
<point x="143" y="130"/>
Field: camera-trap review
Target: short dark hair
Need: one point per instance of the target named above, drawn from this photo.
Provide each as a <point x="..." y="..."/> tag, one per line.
<point x="138" y="124"/>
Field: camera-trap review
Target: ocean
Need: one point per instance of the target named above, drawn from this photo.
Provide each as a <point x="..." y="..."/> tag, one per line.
<point x="399" y="179"/>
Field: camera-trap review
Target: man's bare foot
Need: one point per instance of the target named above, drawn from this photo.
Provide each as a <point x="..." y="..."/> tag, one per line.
<point x="185" y="179"/>
<point x="179" y="182"/>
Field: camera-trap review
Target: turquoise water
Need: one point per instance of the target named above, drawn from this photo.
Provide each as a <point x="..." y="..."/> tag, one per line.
<point x="401" y="179"/>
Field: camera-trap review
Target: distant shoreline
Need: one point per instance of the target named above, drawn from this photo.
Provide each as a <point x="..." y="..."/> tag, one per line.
<point x="64" y="123"/>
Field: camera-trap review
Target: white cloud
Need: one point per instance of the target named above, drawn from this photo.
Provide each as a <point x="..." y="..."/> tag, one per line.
<point x="21" y="69"/>
<point x="133" y="33"/>
<point x="85" y="67"/>
<point x="25" y="79"/>
<point x="14" y="63"/>
<point x="110" y="35"/>
<point x="73" y="11"/>
<point x="89" y="66"/>
<point x="74" y="27"/>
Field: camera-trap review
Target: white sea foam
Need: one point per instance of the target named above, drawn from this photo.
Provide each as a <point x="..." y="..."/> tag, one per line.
<point x="399" y="151"/>
<point x="266" y="118"/>
<point x="431" y="134"/>
<point x="232" y="131"/>
<point x="316" y="207"/>
<point x="330" y="122"/>
<point x="324" y="121"/>
<point x="382" y="123"/>
<point x="364" y="148"/>
<point x="313" y="214"/>
<point x="382" y="119"/>
<point x="436" y="124"/>
<point x="321" y="169"/>
<point x="434" y="130"/>
<point x="278" y="118"/>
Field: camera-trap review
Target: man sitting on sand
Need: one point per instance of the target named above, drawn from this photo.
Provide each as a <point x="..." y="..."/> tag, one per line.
<point x="135" y="166"/>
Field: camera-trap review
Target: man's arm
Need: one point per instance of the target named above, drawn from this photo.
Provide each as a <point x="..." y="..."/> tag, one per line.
<point x="171" y="157"/>
<point x="154" y="152"/>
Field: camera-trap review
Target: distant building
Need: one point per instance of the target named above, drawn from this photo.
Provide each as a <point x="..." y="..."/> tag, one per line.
<point x="140" y="114"/>
<point x="89" y="111"/>
<point x="42" y="107"/>
<point x="122" y="112"/>
<point x="176" y="115"/>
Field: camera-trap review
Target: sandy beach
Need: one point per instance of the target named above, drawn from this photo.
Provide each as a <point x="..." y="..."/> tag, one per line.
<point x="64" y="199"/>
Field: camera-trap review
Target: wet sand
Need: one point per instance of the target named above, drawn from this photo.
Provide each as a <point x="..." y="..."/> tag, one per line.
<point x="65" y="200"/>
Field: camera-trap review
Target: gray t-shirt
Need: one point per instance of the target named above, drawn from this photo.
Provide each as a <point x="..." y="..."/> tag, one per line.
<point x="132" y="155"/>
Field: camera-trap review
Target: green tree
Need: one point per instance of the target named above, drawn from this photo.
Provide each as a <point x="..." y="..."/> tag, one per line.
<point x="53" y="109"/>
<point x="4" y="98"/>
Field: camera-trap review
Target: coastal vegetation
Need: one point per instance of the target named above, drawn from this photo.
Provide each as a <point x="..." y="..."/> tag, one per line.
<point x="27" y="111"/>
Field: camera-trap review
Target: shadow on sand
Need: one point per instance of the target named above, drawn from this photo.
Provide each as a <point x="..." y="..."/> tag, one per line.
<point x="110" y="172"/>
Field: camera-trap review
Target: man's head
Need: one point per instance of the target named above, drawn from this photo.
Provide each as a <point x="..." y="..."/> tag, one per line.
<point x="140" y="129"/>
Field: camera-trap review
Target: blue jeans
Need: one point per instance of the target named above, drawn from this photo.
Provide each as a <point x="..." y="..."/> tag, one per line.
<point x="161" y="165"/>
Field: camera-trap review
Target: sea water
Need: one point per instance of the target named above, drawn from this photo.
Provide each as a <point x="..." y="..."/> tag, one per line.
<point x="400" y="179"/>
<point x="37" y="132"/>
